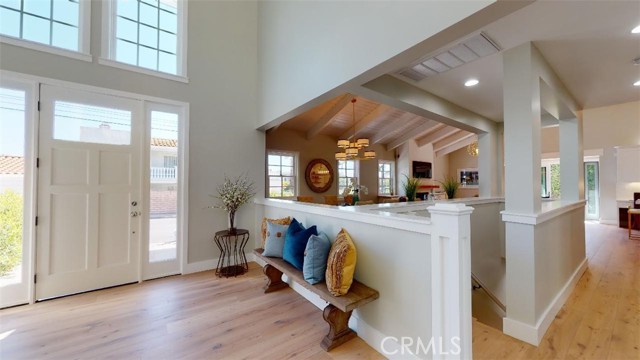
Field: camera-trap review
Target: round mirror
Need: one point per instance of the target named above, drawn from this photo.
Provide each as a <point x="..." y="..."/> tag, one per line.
<point x="319" y="175"/>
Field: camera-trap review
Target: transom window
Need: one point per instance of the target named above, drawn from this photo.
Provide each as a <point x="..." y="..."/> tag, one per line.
<point x="56" y="23"/>
<point x="347" y="169"/>
<point x="148" y="34"/>
<point x="281" y="178"/>
<point x="385" y="177"/>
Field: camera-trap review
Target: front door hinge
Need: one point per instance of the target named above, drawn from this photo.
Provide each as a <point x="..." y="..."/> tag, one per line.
<point x="36" y="221"/>
<point x="37" y="162"/>
<point x="35" y="278"/>
<point x="38" y="105"/>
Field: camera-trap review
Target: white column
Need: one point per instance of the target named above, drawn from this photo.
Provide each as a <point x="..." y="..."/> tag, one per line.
<point x="521" y="131"/>
<point x="451" y="280"/>
<point x="571" y="160"/>
<point x="488" y="169"/>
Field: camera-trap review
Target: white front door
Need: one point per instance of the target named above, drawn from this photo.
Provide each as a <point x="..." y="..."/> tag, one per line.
<point x="88" y="233"/>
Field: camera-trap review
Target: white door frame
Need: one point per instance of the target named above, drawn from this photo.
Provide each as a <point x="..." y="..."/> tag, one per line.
<point x="26" y="295"/>
<point x="158" y="270"/>
<point x="33" y="82"/>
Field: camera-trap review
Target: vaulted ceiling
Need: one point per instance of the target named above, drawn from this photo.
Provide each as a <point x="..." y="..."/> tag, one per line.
<point x="589" y="44"/>
<point x="380" y="123"/>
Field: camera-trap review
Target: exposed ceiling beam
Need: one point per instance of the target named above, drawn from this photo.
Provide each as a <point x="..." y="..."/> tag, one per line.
<point x="437" y="135"/>
<point x="451" y="140"/>
<point x="327" y="117"/>
<point x="411" y="134"/>
<point x="379" y="111"/>
<point x="388" y="129"/>
<point x="456" y="146"/>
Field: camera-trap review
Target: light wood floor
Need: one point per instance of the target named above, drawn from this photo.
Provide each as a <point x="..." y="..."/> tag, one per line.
<point x="201" y="317"/>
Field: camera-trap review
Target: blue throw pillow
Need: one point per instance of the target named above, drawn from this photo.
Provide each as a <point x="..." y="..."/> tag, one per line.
<point x="315" y="258"/>
<point x="274" y="242"/>
<point x="295" y="241"/>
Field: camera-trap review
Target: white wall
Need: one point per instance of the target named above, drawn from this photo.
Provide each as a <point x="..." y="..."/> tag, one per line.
<point x="222" y="93"/>
<point x="343" y="39"/>
<point x="603" y="129"/>
<point x="395" y="262"/>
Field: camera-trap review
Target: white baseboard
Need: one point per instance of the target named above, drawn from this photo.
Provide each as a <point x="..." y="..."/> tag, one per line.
<point x="609" y="222"/>
<point x="385" y="345"/>
<point x="534" y="334"/>
<point x="206" y="265"/>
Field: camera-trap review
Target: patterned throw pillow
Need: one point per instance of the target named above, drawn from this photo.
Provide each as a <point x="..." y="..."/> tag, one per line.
<point x="275" y="239"/>
<point x="315" y="258"/>
<point x="283" y="221"/>
<point x="341" y="264"/>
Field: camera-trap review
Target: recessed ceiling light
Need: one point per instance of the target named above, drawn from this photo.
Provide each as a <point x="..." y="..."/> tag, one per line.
<point x="637" y="83"/>
<point x="636" y="30"/>
<point x="471" y="82"/>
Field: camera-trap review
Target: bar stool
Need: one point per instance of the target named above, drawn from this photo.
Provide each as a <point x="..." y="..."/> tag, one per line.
<point x="632" y="214"/>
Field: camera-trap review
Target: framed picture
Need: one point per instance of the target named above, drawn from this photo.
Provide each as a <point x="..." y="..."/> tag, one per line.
<point x="468" y="178"/>
<point x="319" y="175"/>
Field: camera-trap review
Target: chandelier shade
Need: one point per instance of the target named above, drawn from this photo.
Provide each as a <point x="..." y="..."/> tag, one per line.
<point x="353" y="146"/>
<point x="472" y="149"/>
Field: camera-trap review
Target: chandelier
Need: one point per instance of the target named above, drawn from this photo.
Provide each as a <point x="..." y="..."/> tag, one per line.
<point x="472" y="149"/>
<point x="351" y="147"/>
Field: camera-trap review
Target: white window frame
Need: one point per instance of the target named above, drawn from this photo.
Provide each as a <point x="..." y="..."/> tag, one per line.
<point x="107" y="55"/>
<point x="356" y="170"/>
<point x="296" y="157"/>
<point x="392" y="176"/>
<point x="84" y="34"/>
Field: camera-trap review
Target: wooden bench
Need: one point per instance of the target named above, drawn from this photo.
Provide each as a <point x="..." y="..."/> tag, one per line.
<point x="336" y="314"/>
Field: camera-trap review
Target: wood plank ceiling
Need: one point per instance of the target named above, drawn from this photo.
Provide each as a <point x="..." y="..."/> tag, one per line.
<point x="380" y="123"/>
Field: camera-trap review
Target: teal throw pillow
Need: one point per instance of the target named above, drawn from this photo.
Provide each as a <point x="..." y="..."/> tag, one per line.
<point x="295" y="241"/>
<point x="315" y="258"/>
<point x="274" y="242"/>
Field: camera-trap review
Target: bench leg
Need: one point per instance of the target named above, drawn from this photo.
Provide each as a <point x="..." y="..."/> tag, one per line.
<point x="339" y="331"/>
<point x="274" y="277"/>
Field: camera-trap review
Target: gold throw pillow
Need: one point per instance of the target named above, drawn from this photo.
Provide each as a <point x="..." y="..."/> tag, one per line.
<point x="341" y="264"/>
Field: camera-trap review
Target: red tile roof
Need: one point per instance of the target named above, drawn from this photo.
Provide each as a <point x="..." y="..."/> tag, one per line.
<point x="11" y="164"/>
<point x="164" y="142"/>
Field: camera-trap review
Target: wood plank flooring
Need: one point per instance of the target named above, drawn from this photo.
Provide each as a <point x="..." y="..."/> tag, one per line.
<point x="601" y="318"/>
<point x="199" y="316"/>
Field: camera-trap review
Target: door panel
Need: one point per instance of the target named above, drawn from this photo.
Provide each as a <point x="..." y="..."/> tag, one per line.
<point x="68" y="245"/>
<point x="89" y="178"/>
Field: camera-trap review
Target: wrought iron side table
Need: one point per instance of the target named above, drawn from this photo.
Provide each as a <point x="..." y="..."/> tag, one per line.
<point x="233" y="261"/>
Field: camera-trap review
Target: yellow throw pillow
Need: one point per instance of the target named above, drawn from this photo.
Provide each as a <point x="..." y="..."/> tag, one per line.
<point x="341" y="264"/>
<point x="283" y="221"/>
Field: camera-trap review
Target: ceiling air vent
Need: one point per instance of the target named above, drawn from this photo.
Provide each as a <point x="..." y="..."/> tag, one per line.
<point x="471" y="49"/>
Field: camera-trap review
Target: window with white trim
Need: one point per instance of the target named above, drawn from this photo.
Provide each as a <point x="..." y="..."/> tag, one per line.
<point x="281" y="174"/>
<point x="347" y="169"/>
<point x="385" y="177"/>
<point x="147" y="33"/>
<point x="58" y="23"/>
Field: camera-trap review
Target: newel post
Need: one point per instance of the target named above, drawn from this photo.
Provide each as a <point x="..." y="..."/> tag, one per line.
<point x="451" y="279"/>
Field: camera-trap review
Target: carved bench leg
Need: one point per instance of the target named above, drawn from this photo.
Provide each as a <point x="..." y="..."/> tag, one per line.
<point x="274" y="277"/>
<point x="339" y="331"/>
